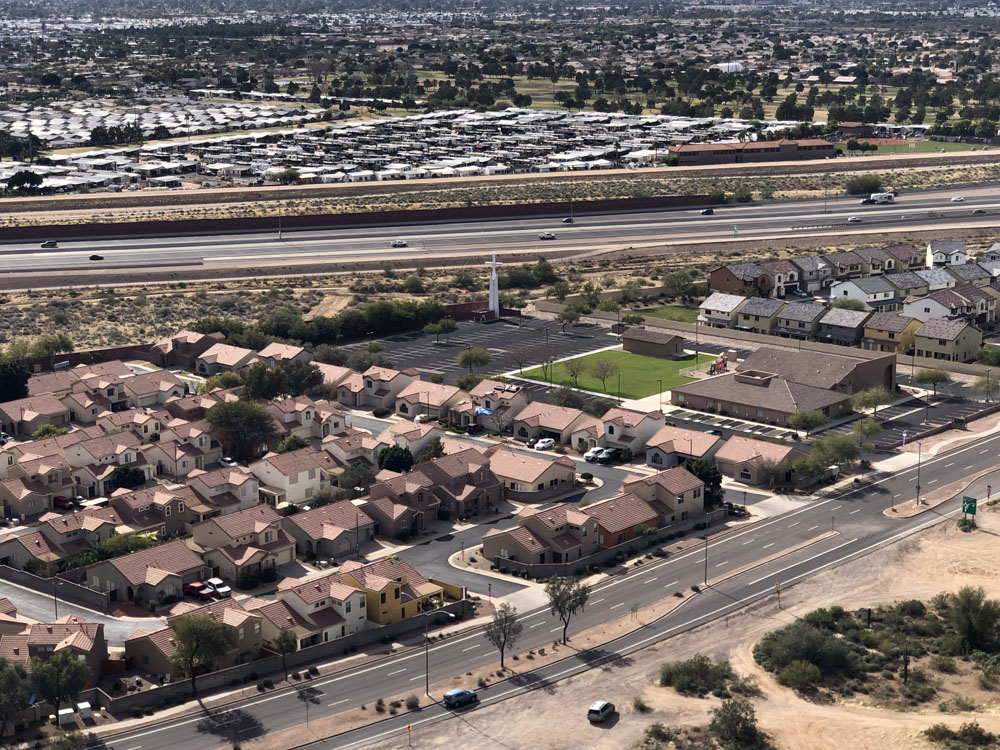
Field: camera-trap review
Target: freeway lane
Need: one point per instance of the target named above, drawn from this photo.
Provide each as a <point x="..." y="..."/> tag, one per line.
<point x="515" y="235"/>
<point x="855" y="514"/>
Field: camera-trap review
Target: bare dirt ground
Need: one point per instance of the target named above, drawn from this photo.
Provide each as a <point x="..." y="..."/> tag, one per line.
<point x="939" y="559"/>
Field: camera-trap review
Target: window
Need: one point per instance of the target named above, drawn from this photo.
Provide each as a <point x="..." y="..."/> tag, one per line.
<point x="347" y="606"/>
<point x="293" y="479"/>
<point x="241" y="633"/>
<point x="403" y="409"/>
<point x="541" y="486"/>
<point x="256" y="627"/>
<point x="267" y="537"/>
<point x="611" y="429"/>
<point x="621" y="538"/>
<point x="697" y="492"/>
<point x="166" y="511"/>
<point x="382" y="597"/>
<point x="395" y="593"/>
<point x="180" y="507"/>
<point x="312" y="473"/>
<point x="656" y="459"/>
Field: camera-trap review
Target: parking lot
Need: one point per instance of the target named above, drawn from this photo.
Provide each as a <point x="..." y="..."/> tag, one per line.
<point x="728" y="426"/>
<point x="915" y="415"/>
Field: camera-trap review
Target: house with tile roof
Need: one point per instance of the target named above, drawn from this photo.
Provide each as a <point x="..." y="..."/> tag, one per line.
<point x="876" y="260"/>
<point x="967" y="302"/>
<point x="948" y="340"/>
<point x="15" y="551"/>
<point x="847" y="265"/>
<point x="842" y="327"/>
<point x="294" y="477"/>
<point x="908" y="284"/>
<point x="85" y="640"/>
<point x="329" y="606"/>
<point x="942" y="253"/>
<point x="193" y="408"/>
<point x="393" y="589"/>
<point x="561" y="533"/>
<point x="538" y="420"/>
<point x="433" y="399"/>
<point x="629" y="429"/>
<point x="333" y="531"/>
<point x="183" y="348"/>
<point x="675" y="494"/>
<point x="148" y="575"/>
<point x="533" y="478"/>
<point x="739" y="278"/>
<point x="622" y="518"/>
<point x="277" y="353"/>
<point x="10" y="623"/>
<point x="937" y="278"/>
<point x="144" y="424"/>
<point x="784" y="276"/>
<point x="719" y="309"/>
<point x="184" y="447"/>
<point x="909" y="258"/>
<point x="671" y="445"/>
<point x="302" y="416"/>
<point x="838" y="372"/>
<point x="759" y="314"/>
<point x="815" y="274"/>
<point x="649" y="342"/>
<point x="26" y="415"/>
<point x="745" y="459"/>
<point x="77" y="532"/>
<point x="84" y="407"/>
<point x="411" y="435"/>
<point x="381" y="386"/>
<point x="223" y="358"/>
<point x="875" y="293"/>
<point x="151" y="389"/>
<point x="970" y="273"/>
<point x="333" y="375"/>
<point x="244" y="543"/>
<point x="224" y="490"/>
<point x="890" y="332"/>
<point x="57" y="383"/>
<point x="799" y="320"/>
<point x="33" y="483"/>
<point x="354" y="446"/>
<point x="151" y="652"/>
<point x="165" y="510"/>
<point x="94" y="461"/>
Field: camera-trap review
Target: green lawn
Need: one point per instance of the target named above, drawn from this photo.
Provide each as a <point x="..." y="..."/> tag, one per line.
<point x="920" y="147"/>
<point x="672" y="312"/>
<point x="638" y="373"/>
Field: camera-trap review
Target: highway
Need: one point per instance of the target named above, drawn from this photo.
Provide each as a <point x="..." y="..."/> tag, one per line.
<point x="855" y="515"/>
<point x="928" y="209"/>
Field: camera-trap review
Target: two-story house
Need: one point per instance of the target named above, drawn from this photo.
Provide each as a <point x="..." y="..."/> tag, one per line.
<point x="908" y="284"/>
<point x="381" y="386"/>
<point x="84" y="640"/>
<point x="402" y="504"/>
<point x="327" y="608"/>
<point x="799" y="320"/>
<point x="877" y="260"/>
<point x="739" y="278"/>
<point x="561" y="533"/>
<point x="908" y="257"/>
<point x="183" y="348"/>
<point x="759" y="314"/>
<point x="142" y="423"/>
<point x="224" y="490"/>
<point x="937" y="278"/>
<point x="354" y="446"/>
<point x="393" y="590"/>
<point x="184" y="447"/>
<point x="33" y="483"/>
<point x="294" y="477"/>
<point x="24" y="416"/>
<point x="675" y="494"/>
<point x="948" y="340"/>
<point x="491" y="404"/>
<point x="876" y="293"/>
<point x="622" y="518"/>
<point x="842" y="327"/>
<point x="84" y="407"/>
<point x="945" y="253"/>
<point x="332" y="531"/>
<point x="152" y="389"/>
<point x="433" y="399"/>
<point x="245" y="542"/>
<point x="966" y="302"/>
<point x="223" y="357"/>
<point x="890" y="332"/>
<point x="628" y="429"/>
<point x="306" y="418"/>
<point x="411" y="435"/>
<point x="94" y="461"/>
<point x="719" y="310"/>
<point x="847" y="265"/>
<point x="784" y="276"/>
<point x="970" y="273"/>
<point x="77" y="532"/>
<point x="815" y="274"/>
<point x="164" y="510"/>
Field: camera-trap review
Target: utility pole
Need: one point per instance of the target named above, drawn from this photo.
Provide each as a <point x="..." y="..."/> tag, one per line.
<point x="919" y="450"/>
<point x="706" y="559"/>
<point x="357" y="534"/>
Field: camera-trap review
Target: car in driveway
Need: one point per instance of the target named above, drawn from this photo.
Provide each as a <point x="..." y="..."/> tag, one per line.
<point x="49" y="244"/>
<point x="546" y="236"/>
<point x="421" y="418"/>
<point x="64" y="503"/>
<point x="227" y="462"/>
<point x="199" y="590"/>
<point x="398" y="243"/>
<point x="545" y="444"/>
<point x="958" y="199"/>
<point x="599" y="712"/>
<point x="591" y="455"/>
<point x="531" y="442"/>
<point x="609" y="455"/>
<point x="219" y="588"/>
<point x="460" y="697"/>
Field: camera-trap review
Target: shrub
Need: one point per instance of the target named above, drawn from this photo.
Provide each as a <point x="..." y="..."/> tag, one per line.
<point x="136" y="712"/>
<point x="586" y="476"/>
<point x="380" y="706"/>
<point x="938" y="733"/>
<point x="966" y="524"/>
<point x="801" y="676"/>
<point x="660" y="733"/>
<point x="942" y="663"/>
<point x="696" y="676"/>
<point x="801" y="641"/>
<point x="313" y="670"/>
<point x="379" y="412"/>
<point x="268" y="683"/>
<point x="296" y="676"/>
<point x="412" y="703"/>
<point x="641" y="706"/>
<point x="260" y="687"/>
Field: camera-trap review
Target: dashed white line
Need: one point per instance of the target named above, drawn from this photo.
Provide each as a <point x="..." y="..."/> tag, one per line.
<point x="556" y="630"/>
<point x="398" y="671"/>
<point x="768" y="545"/>
<point x="596" y="601"/>
<point x="985" y="451"/>
<point x="616" y="606"/>
<point x="724" y="562"/>
<point x="649" y="580"/>
<point x="792" y="524"/>
<point x="337" y="703"/>
<point x="947" y="465"/>
<point x="418" y="677"/>
<point x="856" y="510"/>
<point x="932" y="481"/>
<point x="535" y="625"/>
<point x="471" y="648"/>
<point x="812" y="527"/>
<point x="966" y="468"/>
<point x="836" y="507"/>
<point x="749" y="541"/>
<point x="672" y="583"/>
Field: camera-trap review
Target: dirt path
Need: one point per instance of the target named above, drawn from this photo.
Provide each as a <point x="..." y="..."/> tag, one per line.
<point x="939" y="559"/>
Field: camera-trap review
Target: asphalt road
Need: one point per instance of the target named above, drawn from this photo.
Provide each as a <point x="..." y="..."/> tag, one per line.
<point x="855" y="514"/>
<point x="591" y="232"/>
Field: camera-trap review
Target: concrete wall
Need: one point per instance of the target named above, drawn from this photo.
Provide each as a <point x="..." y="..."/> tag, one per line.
<point x="67" y="590"/>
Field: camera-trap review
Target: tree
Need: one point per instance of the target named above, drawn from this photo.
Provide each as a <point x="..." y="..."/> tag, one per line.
<point x="435" y="330"/>
<point x="559" y="290"/>
<point x="807" y="420"/>
<point x="735" y="724"/>
<point x="24" y="180"/>
<point x="201" y="642"/>
<point x="51" y="345"/>
<point x="224" y="380"/>
<point x="59" y="678"/>
<point x="846" y="303"/>
<point x="413" y="284"/>
<point x="568" y="316"/>
<point x="633" y="318"/>
<point x="467" y="381"/>
<point x="987" y="385"/>
<point x="299" y="377"/>
<point x="770" y="471"/>
<point x="286" y="643"/>
<point x="566" y="598"/>
<point x="263" y="382"/>
<point x="566" y="397"/>
<point x="504" y="629"/>
<point x="677" y="283"/>
<point x="974" y="618"/>
<point x="475" y="356"/>
<point x="932" y="378"/>
<point x="246" y="427"/>
<point x="871" y="398"/>
<point x="575" y="368"/>
<point x="287" y="176"/>
<point x="865" y="429"/>
<point x="47" y="431"/>
<point x="602" y="369"/>
<point x="14" y="692"/>
<point x="329" y="355"/>
<point x="362" y="360"/>
<point x="988" y="355"/>
<point x="129" y="477"/>
<point x="355" y="476"/>
<point x="395" y="458"/>
<point x="709" y="473"/>
<point x="863" y="184"/>
<point x="448" y="326"/>
<point x="432" y="450"/>
<point x="291" y="443"/>
<point x="800" y="675"/>
<point x="644" y="529"/>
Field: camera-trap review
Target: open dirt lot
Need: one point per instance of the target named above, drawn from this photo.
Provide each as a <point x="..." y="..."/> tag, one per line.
<point x="939" y="559"/>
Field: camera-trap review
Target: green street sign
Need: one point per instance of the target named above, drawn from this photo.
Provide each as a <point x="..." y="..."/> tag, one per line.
<point x="969" y="505"/>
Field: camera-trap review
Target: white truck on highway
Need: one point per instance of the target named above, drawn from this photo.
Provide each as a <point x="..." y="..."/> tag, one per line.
<point x="876" y="198"/>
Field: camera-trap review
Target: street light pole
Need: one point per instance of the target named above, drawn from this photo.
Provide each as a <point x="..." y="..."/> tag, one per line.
<point x="706" y="559"/>
<point x="427" y="647"/>
<point x="919" y="450"/>
<point x="659" y="395"/>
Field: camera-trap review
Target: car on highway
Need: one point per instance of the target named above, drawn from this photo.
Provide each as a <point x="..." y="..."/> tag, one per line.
<point x="568" y="220"/>
<point x="958" y="199"/>
<point x="219" y="588"/>
<point x="398" y="243"/>
<point x="707" y="211"/>
<point x="608" y="455"/>
<point x="979" y="211"/>
<point x="199" y="590"/>
<point x="545" y="444"/>
<point x="226" y="462"/>
<point x="49" y="244"/>
<point x="460" y="697"/>
<point x="591" y="455"/>
<point x="546" y="236"/>
<point x="599" y="712"/>
<point x="854" y="220"/>
<point x="95" y="256"/>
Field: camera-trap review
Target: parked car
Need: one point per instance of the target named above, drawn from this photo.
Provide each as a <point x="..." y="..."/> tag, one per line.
<point x="958" y="199"/>
<point x="544" y="444"/>
<point x="398" y="243"/>
<point x="199" y="590"/>
<point x="591" y="455"/>
<point x="4" y="438"/>
<point x="227" y="462"/>
<point x="49" y="244"/>
<point x="707" y="211"/>
<point x="713" y="432"/>
<point x="532" y="441"/>
<point x="421" y="418"/>
<point x="460" y="697"/>
<point x="608" y="455"/>
<point x="599" y="711"/>
<point x="95" y="256"/>
<point x="219" y="588"/>
<point x="475" y="429"/>
<point x="854" y="220"/>
<point x="65" y="503"/>
<point x="546" y="236"/>
<point x="568" y="220"/>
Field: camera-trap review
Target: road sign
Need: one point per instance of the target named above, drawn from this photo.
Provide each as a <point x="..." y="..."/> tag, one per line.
<point x="736" y="229"/>
<point x="777" y="587"/>
<point x="969" y="505"/>
<point x="904" y="437"/>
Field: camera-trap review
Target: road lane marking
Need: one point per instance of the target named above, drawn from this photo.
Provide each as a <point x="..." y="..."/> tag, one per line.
<point x="792" y="524"/>
<point x="985" y="451"/>
<point x="648" y="580"/>
<point x="398" y="671"/>
<point x="615" y="606"/>
<point x="596" y="601"/>
<point x="771" y="576"/>
<point x="966" y="468"/>
<point x="768" y="545"/>
<point x="858" y="510"/>
<point x="414" y="679"/>
<point x="947" y="465"/>
<point x="672" y="583"/>
<point x="536" y="625"/>
<point x="813" y="527"/>
<point x="556" y="630"/>
<point x="932" y="481"/>
<point x="337" y="703"/>
<point x="748" y="542"/>
<point x="836" y="507"/>
<point x="471" y="648"/>
<point x="724" y="562"/>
